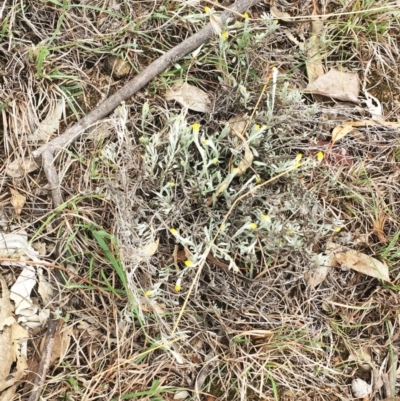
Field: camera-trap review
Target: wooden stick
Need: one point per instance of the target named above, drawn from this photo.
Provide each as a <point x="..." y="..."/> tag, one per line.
<point x="45" y="359"/>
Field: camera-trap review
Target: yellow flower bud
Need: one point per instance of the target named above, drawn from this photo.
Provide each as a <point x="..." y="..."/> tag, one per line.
<point x="224" y="35"/>
<point x="178" y="284"/>
<point x="196" y="128"/>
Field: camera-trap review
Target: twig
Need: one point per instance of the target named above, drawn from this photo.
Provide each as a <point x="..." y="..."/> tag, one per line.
<point x="190" y="44"/>
<point x="45" y="359"/>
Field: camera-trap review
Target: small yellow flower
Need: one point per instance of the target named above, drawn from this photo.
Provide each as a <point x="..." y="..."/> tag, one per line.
<point x="276" y="22"/>
<point x="338" y="229"/>
<point x="257" y="127"/>
<point x="207" y="9"/>
<point x="188" y="263"/>
<point x="296" y="164"/>
<point x="173" y="231"/>
<point x="223" y="226"/>
<point x="299" y="157"/>
<point x="224" y="35"/>
<point x="215" y="160"/>
<point x="245" y="16"/>
<point x="178" y="284"/>
<point x="235" y="170"/>
<point x="253" y="226"/>
<point x="258" y="179"/>
<point x="243" y="88"/>
<point x="171" y="184"/>
<point x="265" y="217"/>
<point x="148" y="293"/>
<point x="196" y="128"/>
<point x="320" y="156"/>
<point x="205" y="141"/>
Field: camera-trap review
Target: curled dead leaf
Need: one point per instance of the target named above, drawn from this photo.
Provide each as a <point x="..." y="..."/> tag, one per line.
<point x="340" y="131"/>
<point x="189" y="96"/>
<point x="237" y="125"/>
<point x="17" y="201"/>
<point x="246" y="161"/>
<point x="363" y="263"/>
<point x="276" y="13"/>
<point x="21" y="167"/>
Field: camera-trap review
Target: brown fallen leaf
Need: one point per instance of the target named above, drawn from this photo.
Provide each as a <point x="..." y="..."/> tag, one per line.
<point x="276" y="13"/>
<point x="363" y="263"/>
<point x="17" y="201"/>
<point x="21" y="167"/>
<point x="61" y="343"/>
<point x="238" y="125"/>
<point x="246" y="160"/>
<point x="316" y="275"/>
<point x="7" y="379"/>
<point x="143" y="254"/>
<point x="338" y="85"/>
<point x="189" y="96"/>
<point x="340" y="131"/>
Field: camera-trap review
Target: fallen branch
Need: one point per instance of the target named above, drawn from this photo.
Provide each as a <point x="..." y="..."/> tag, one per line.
<point x="158" y="66"/>
<point x="45" y="359"/>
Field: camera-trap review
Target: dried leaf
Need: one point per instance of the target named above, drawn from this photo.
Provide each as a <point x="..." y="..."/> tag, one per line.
<point x="21" y="290"/>
<point x="237" y="125"/>
<point x="45" y="290"/>
<point x="62" y="340"/>
<point x="276" y="13"/>
<point x="6" y="346"/>
<point x="151" y="249"/>
<point x="363" y="264"/>
<point x="49" y="125"/>
<point x="340" y="131"/>
<point x="21" y="167"/>
<point x="337" y="85"/>
<point x="146" y="252"/>
<point x="246" y="161"/>
<point x="8" y="394"/>
<point x="189" y="96"/>
<point x="316" y="276"/>
<point x="20" y="349"/>
<point x="17" y="201"/>
<point x="319" y="270"/>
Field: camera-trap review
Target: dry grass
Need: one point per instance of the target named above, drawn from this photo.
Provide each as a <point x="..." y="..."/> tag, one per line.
<point x="262" y="333"/>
